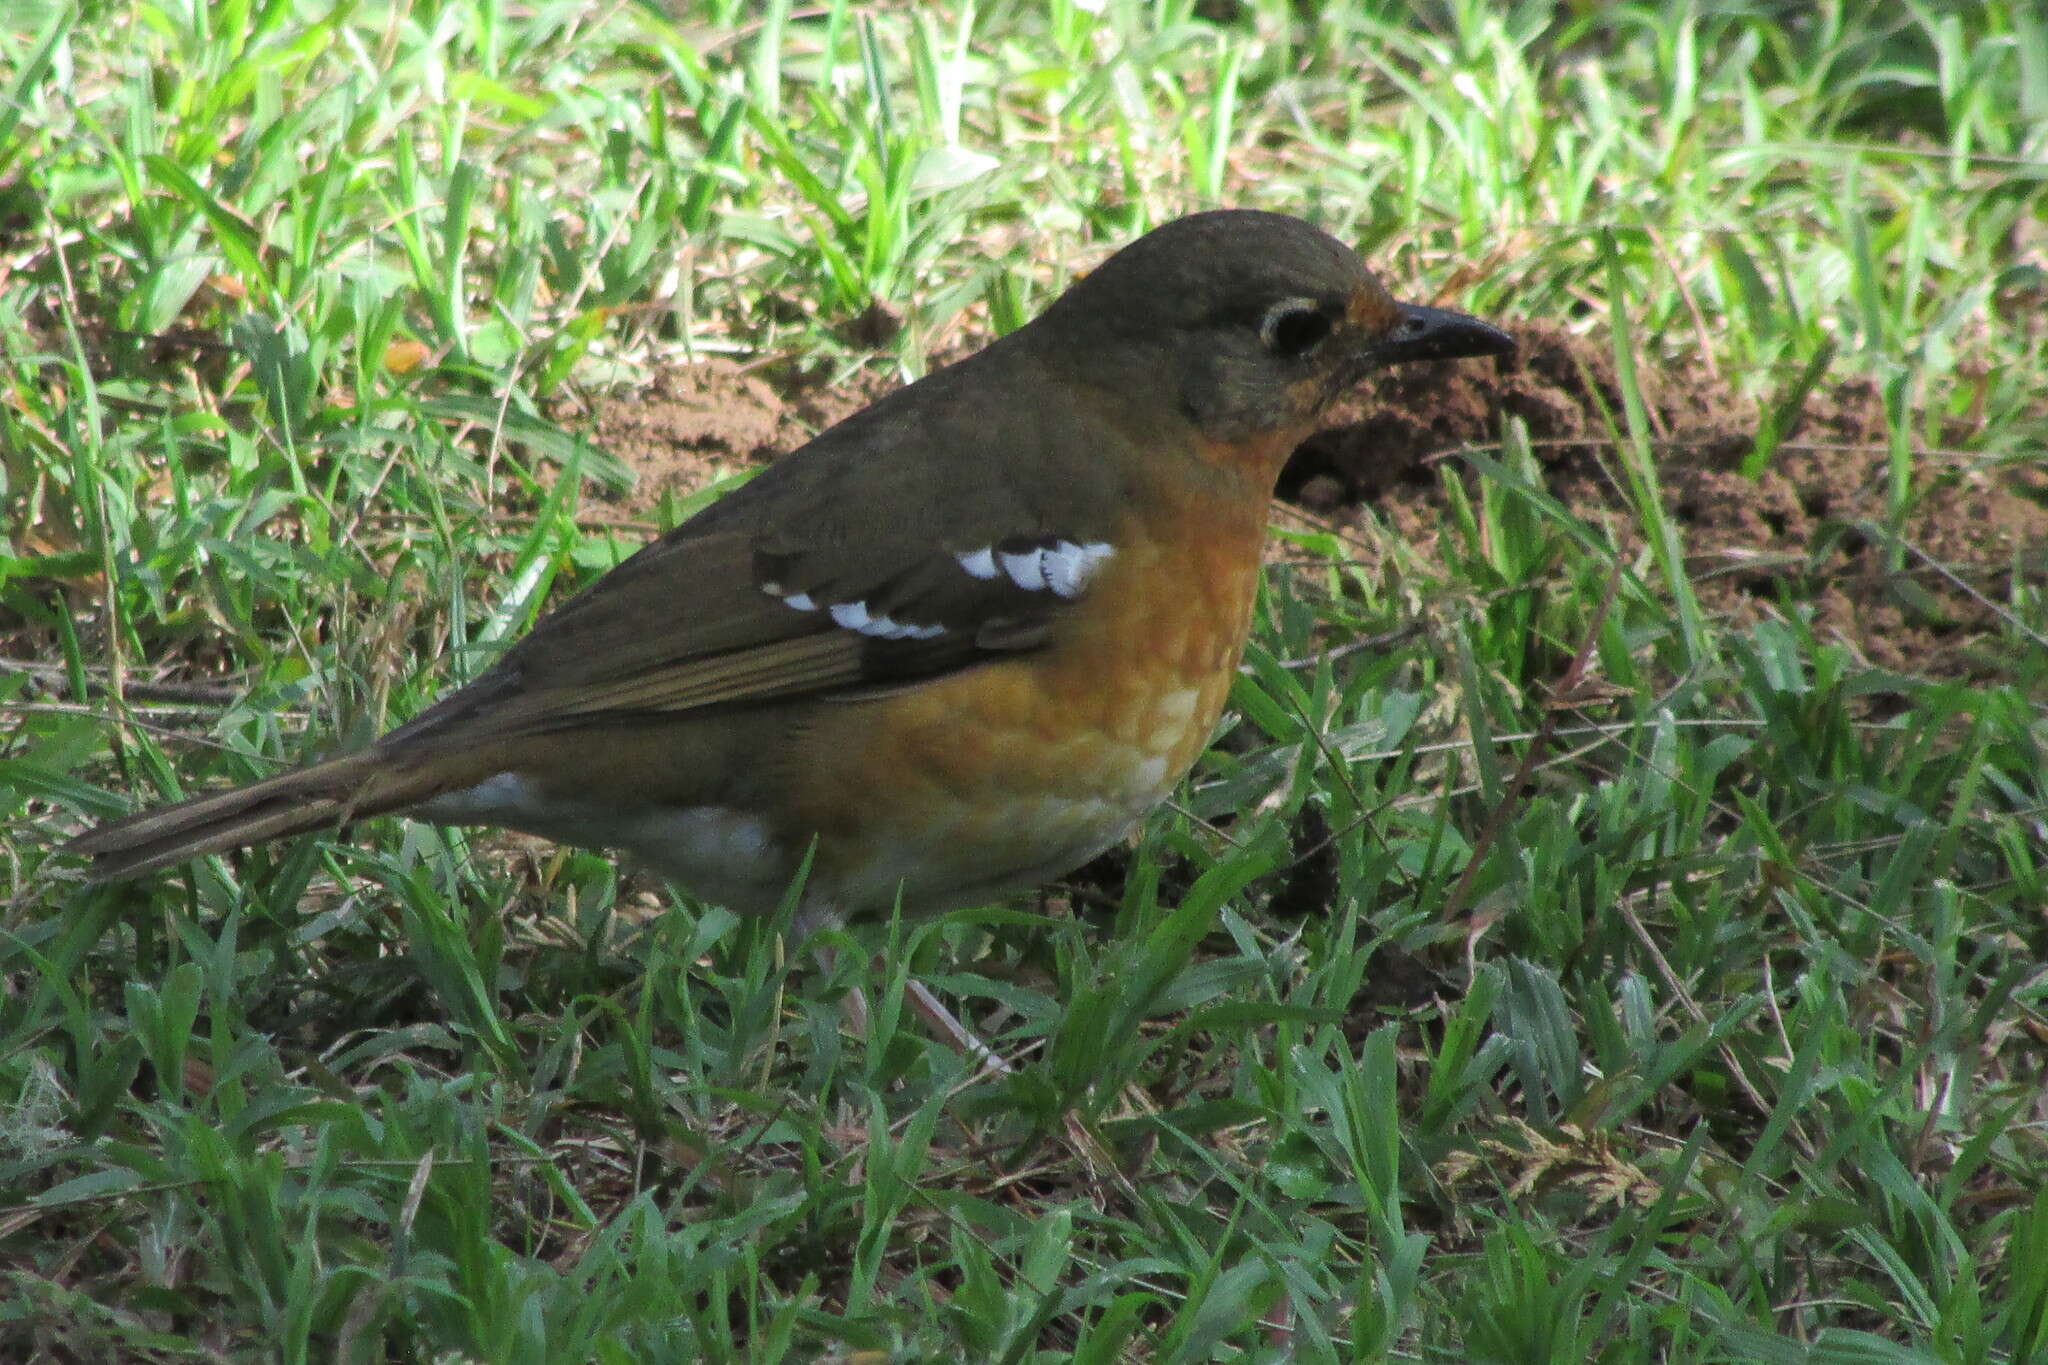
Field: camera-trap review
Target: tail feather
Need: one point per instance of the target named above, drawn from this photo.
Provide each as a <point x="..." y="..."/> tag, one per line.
<point x="323" y="796"/>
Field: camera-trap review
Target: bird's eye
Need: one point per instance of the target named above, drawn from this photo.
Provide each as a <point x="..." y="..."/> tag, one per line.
<point x="1294" y="327"/>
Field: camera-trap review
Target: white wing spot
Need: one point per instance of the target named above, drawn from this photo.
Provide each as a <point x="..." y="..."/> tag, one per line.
<point x="800" y="601"/>
<point x="1026" y="570"/>
<point x="1069" y="567"/>
<point x="855" y="616"/>
<point x="1065" y="567"/>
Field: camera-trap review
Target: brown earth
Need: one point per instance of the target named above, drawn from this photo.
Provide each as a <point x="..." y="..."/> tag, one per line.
<point x="1806" y="530"/>
<point x="692" y="425"/>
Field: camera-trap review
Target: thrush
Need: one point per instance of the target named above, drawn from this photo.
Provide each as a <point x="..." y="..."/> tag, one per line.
<point x="953" y="647"/>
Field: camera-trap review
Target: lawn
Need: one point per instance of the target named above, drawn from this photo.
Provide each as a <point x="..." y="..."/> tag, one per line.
<point x="1610" y="925"/>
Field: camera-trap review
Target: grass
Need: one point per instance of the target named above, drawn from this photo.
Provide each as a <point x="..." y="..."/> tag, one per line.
<point x="1582" y="974"/>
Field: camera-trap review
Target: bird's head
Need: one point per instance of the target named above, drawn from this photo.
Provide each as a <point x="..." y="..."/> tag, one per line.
<point x="1247" y="323"/>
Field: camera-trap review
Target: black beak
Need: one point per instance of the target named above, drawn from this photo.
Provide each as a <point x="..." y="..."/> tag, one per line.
<point x="1438" y="334"/>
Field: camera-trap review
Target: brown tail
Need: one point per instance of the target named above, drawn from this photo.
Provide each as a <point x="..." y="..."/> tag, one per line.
<point x="324" y="796"/>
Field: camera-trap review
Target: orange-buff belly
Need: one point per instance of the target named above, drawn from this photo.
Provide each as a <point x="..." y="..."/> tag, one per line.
<point x="1006" y="775"/>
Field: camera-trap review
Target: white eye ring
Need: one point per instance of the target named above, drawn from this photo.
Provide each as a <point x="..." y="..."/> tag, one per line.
<point x="1294" y="327"/>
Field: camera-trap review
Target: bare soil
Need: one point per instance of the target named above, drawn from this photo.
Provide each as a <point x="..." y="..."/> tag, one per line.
<point x="692" y="425"/>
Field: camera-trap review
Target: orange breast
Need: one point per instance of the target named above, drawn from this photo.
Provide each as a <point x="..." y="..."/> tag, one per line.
<point x="1006" y="775"/>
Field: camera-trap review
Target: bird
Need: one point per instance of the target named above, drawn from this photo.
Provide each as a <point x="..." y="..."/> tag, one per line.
<point x="952" y="647"/>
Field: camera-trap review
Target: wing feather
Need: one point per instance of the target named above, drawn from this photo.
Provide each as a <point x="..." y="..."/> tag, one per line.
<point x="695" y="628"/>
<point x="749" y="601"/>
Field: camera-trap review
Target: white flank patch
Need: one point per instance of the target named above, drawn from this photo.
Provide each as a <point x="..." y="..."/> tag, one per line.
<point x="800" y="601"/>
<point x="505" y="797"/>
<point x="721" y="853"/>
<point x="726" y="842"/>
<point x="979" y="563"/>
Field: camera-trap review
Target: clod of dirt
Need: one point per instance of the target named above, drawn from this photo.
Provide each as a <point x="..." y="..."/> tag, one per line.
<point x="695" y="424"/>
<point x="873" y="327"/>
<point x="692" y="425"/>
<point x="1310" y="884"/>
